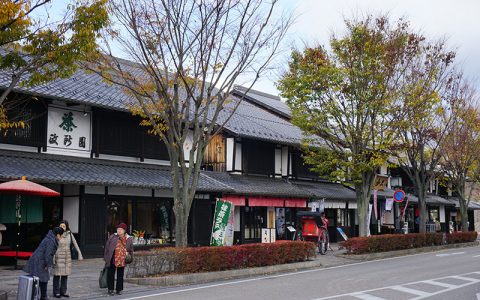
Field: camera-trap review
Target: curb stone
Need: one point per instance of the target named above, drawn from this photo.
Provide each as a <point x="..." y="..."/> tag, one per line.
<point x="380" y="255"/>
<point x="196" y="278"/>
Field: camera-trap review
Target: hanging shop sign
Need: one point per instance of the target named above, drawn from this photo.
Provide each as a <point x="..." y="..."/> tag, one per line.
<point x="69" y="129"/>
<point x="223" y="209"/>
<point x="399" y="196"/>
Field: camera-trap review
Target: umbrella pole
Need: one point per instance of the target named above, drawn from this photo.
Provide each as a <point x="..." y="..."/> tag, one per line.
<point x="18" y="206"/>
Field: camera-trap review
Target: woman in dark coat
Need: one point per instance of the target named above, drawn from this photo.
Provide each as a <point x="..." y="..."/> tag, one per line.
<point x="116" y="249"/>
<point x="42" y="259"/>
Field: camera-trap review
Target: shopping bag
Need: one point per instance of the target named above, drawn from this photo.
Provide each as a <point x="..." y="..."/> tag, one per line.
<point x="102" y="280"/>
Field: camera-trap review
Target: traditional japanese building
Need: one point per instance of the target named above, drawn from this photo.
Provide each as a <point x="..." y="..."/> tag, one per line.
<point x="81" y="140"/>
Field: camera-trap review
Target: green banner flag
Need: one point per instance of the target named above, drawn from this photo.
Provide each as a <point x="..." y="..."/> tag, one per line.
<point x="222" y="213"/>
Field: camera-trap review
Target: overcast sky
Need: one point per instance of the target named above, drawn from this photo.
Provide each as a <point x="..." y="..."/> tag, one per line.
<point x="316" y="20"/>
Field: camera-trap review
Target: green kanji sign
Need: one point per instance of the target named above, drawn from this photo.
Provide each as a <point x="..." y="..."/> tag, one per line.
<point x="223" y="209"/>
<point x="67" y="123"/>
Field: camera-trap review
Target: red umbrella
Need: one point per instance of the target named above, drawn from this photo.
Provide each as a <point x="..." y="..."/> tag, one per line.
<point x="27" y="188"/>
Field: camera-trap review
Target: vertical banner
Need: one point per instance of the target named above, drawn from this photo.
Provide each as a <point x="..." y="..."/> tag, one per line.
<point x="375" y="204"/>
<point x="221" y="216"/>
<point x="369" y="217"/>
<point x="230" y="228"/>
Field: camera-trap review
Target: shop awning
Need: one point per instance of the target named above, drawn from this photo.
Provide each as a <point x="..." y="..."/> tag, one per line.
<point x="295" y="202"/>
<point x="264" y="201"/>
<point x="235" y="199"/>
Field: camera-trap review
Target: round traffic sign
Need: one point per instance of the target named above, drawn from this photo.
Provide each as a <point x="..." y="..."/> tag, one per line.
<point x="399" y="196"/>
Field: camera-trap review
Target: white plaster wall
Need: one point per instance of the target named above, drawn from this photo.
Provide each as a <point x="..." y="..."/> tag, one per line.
<point x="71" y="207"/>
<point x="230" y="143"/>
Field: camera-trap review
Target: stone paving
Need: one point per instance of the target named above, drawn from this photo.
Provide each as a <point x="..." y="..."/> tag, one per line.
<point x="83" y="283"/>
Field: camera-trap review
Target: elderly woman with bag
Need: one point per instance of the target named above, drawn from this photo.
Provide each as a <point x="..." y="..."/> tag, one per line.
<point x="42" y="259"/>
<point x="118" y="252"/>
<point x="67" y="247"/>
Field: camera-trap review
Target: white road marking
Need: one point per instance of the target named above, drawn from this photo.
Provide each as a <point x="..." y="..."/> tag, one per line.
<point x="445" y="285"/>
<point x="367" y="297"/>
<point x="420" y="294"/>
<point x="465" y="278"/>
<point x="478" y="296"/>
<point x="476" y="256"/>
<point x="275" y="276"/>
<point x="449" y="254"/>
<point x="409" y="290"/>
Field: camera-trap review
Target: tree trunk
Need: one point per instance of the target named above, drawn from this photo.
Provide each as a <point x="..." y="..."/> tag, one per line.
<point x="181" y="222"/>
<point x="362" y="191"/>
<point x="422" y="210"/>
<point x="462" y="200"/>
<point x="464" y="212"/>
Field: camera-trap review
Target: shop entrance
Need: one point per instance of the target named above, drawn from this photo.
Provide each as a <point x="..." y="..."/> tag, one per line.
<point x="255" y="220"/>
<point x="92" y="226"/>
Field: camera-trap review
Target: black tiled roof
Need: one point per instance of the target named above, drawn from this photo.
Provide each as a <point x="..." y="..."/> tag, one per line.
<point x="50" y="168"/>
<point x="250" y="121"/>
<point x="268" y="101"/>
<point x="327" y="190"/>
<point x="258" y="185"/>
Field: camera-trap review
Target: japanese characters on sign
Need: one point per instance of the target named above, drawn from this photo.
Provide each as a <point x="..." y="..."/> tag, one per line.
<point x="69" y="129"/>
<point x="223" y="209"/>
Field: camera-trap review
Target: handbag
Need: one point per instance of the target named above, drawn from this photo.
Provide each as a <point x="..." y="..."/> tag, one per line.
<point x="73" y="250"/>
<point x="102" y="280"/>
<point x="128" y="256"/>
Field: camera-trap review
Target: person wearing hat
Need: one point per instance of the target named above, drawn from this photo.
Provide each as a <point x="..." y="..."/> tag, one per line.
<point x="116" y="249"/>
<point x="42" y="259"/>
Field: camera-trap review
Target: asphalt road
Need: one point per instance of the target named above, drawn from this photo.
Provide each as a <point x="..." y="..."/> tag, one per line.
<point x="450" y="274"/>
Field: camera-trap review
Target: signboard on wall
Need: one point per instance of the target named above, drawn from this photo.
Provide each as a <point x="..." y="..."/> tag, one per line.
<point x="69" y="129"/>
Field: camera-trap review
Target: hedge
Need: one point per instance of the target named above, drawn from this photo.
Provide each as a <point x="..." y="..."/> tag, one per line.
<point x="391" y="242"/>
<point x="207" y="259"/>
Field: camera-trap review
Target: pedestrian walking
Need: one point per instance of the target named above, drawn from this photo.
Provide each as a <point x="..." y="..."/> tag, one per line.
<point x="42" y="259"/>
<point x="63" y="261"/>
<point x="118" y="252"/>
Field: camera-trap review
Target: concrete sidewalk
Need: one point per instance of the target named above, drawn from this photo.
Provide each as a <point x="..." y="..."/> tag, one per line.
<point x="83" y="283"/>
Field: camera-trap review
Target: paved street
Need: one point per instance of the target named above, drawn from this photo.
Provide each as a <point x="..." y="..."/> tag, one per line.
<point x="452" y="274"/>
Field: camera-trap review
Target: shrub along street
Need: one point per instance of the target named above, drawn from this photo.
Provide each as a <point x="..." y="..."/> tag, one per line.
<point x="391" y="242"/>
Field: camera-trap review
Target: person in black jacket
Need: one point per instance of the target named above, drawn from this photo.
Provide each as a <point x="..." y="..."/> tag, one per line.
<point x="42" y="259"/>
